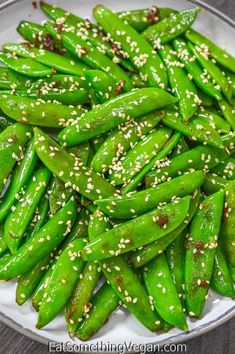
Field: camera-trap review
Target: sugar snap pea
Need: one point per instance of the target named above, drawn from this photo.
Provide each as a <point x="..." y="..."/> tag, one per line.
<point x="221" y="280"/>
<point x="62" y="282"/>
<point x="196" y="129"/>
<point x="58" y="193"/>
<point x="219" y="54"/>
<point x="28" y="281"/>
<point x="69" y="169"/>
<point x="170" y="27"/>
<point x="215" y="120"/>
<point x="12" y="142"/>
<point x="20" y="177"/>
<point x="201" y="77"/>
<point x="5" y="121"/>
<point x="159" y="283"/>
<point x="213" y="183"/>
<point x="143" y="255"/>
<point x="25" y="66"/>
<point x="198" y="158"/>
<point x="175" y="256"/>
<point x="181" y="86"/>
<point x="37" y="35"/>
<point x="143" y="18"/>
<point x="79" y="303"/>
<point x="10" y="79"/>
<point x="227" y="229"/>
<point x="40" y="217"/>
<point x="180" y="148"/>
<point x="166" y="149"/>
<point x="141" y="202"/>
<point x="104" y="302"/>
<point x="33" y="112"/>
<point x="121" y="139"/>
<point x="141" y="54"/>
<point x="200" y="251"/>
<point x="226" y="169"/>
<point x="50" y="235"/>
<point x="79" y="230"/>
<point x="138" y="156"/>
<point x="57" y="62"/>
<point x="18" y="220"/>
<point x="129" y="235"/>
<point x="114" y="112"/>
<point x="202" y="55"/>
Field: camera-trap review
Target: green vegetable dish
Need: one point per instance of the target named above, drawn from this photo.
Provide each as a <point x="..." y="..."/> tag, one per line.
<point x="130" y="199"/>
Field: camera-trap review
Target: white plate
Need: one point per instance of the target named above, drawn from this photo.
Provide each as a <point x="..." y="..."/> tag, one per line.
<point x="121" y="327"/>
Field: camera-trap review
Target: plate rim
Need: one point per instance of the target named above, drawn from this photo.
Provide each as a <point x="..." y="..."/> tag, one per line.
<point x="174" y="339"/>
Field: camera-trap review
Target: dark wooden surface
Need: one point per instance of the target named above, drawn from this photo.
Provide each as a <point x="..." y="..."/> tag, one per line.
<point x="219" y="341"/>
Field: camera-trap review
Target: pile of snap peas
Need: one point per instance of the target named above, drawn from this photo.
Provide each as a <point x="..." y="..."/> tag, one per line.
<point x="117" y="175"/>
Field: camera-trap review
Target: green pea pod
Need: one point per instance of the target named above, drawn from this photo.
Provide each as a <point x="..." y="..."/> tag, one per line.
<point x="123" y="280"/>
<point x="89" y="55"/>
<point x="12" y="141"/>
<point x="198" y="158"/>
<point x="129" y="235"/>
<point x="138" y="203"/>
<point x="200" y="251"/>
<point x="59" y="194"/>
<point x="228" y="224"/>
<point x="221" y="280"/>
<point x="196" y="129"/>
<point x="25" y="66"/>
<point x="79" y="303"/>
<point x="229" y="142"/>
<point x="114" y="112"/>
<point x="159" y="283"/>
<point x="201" y="77"/>
<point x="143" y="18"/>
<point x="142" y="56"/>
<point x="29" y="111"/>
<point x="57" y="62"/>
<point x="180" y="148"/>
<point x="60" y="81"/>
<point x="79" y="230"/>
<point x="232" y="272"/>
<point x="28" y="281"/>
<point x="38" y="36"/>
<point x="10" y="79"/>
<point x="66" y="97"/>
<point x="104" y="302"/>
<point x="3" y="245"/>
<point x="202" y="56"/>
<point x="89" y="32"/>
<point x="61" y="164"/>
<point x="215" y="120"/>
<point x="206" y="100"/>
<point x="175" y="255"/>
<point x="40" y="217"/>
<point x="166" y="149"/>
<point x="181" y="85"/>
<point x="62" y="282"/>
<point x="18" y="220"/>
<point x="219" y="54"/>
<point x="142" y="256"/>
<point x="49" y="236"/>
<point x="213" y="183"/>
<point x="103" y="84"/>
<point x="122" y="139"/>
<point x="138" y="156"/>
<point x="20" y="177"/>
<point x="228" y="112"/>
<point x="170" y="27"/>
<point x="226" y="169"/>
